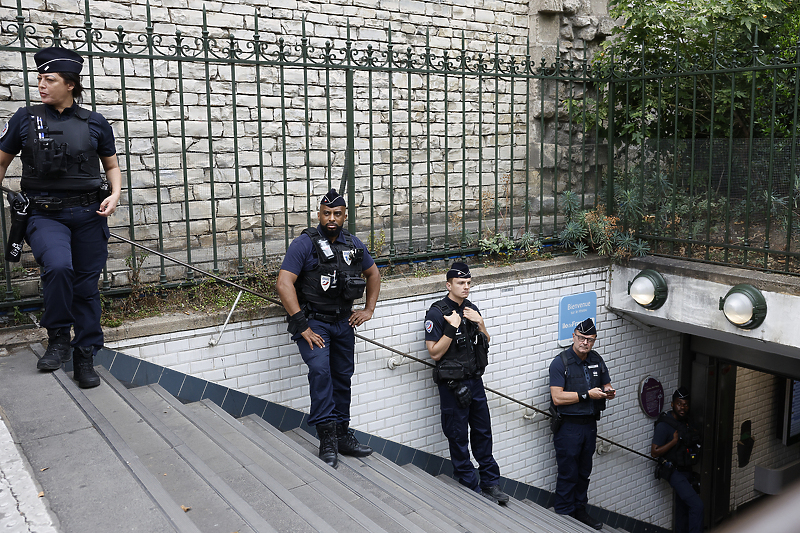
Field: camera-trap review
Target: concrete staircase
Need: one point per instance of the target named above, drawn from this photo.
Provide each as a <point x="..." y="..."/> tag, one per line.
<point x="117" y="459"/>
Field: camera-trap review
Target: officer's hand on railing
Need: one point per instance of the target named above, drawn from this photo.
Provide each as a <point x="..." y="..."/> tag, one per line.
<point x="313" y="339"/>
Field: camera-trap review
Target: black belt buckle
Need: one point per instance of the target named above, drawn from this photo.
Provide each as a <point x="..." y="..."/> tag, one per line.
<point x="48" y="203"/>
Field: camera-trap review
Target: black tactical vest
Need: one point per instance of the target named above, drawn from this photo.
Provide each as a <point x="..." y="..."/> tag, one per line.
<point x="685" y="454"/>
<point x="336" y="281"/>
<point x="576" y="381"/>
<point x="461" y="360"/>
<point x="60" y="158"/>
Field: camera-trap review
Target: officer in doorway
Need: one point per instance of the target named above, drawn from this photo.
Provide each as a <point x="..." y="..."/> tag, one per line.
<point x="320" y="277"/>
<point x="579" y="387"/>
<point x="677" y="445"/>
<point x="457" y="340"/>
<point x="63" y="147"/>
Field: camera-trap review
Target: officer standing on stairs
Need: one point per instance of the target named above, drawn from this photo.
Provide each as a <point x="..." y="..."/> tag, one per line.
<point x="62" y="147"/>
<point x="579" y="387"/>
<point x="317" y="283"/>
<point x="457" y="339"/>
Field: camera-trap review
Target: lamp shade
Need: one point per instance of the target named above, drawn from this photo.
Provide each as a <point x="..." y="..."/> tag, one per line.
<point x="744" y="306"/>
<point x="648" y="289"/>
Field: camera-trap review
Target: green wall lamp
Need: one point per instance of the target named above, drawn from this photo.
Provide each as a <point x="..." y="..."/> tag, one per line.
<point x="648" y="289"/>
<point x="744" y="306"/>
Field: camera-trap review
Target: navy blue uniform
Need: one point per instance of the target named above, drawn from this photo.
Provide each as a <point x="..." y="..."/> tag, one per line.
<point x="70" y="245"/>
<point x="688" y="505"/>
<point x="329" y="368"/>
<point x="465" y="426"/>
<point x="576" y="440"/>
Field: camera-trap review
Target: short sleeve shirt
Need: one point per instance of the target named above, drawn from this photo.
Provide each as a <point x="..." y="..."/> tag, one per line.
<point x="300" y="256"/>
<point x="15" y="132"/>
<point x="663" y="433"/>
<point x="435" y="322"/>
<point x="557" y="378"/>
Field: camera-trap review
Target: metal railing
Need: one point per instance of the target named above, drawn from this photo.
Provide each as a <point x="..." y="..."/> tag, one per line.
<point x="226" y="143"/>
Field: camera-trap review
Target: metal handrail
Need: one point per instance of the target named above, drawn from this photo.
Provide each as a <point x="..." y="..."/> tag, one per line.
<point x="359" y="336"/>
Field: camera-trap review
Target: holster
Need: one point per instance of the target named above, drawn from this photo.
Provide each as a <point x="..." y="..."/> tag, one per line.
<point x="20" y="213"/>
<point x="556" y="420"/>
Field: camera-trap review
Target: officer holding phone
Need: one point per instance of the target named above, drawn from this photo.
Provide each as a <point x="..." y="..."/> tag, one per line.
<point x="579" y="387"/>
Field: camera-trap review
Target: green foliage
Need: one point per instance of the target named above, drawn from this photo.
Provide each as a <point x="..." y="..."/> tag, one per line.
<point x="672" y="37"/>
<point x="501" y="246"/>
<point x="592" y="230"/>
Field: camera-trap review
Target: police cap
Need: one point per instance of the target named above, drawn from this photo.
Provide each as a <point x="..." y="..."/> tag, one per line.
<point x="57" y="59"/>
<point x="586" y="327"/>
<point x="458" y="270"/>
<point x="332" y="199"/>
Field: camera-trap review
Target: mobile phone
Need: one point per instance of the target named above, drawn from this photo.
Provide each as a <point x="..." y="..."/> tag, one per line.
<point x="608" y="391"/>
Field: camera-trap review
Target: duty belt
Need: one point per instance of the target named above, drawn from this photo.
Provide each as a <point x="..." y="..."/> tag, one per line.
<point x="330" y="318"/>
<point x="579" y="419"/>
<point x="54" y="203"/>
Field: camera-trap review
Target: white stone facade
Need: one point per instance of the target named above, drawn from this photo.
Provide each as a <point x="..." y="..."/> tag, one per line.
<point x="403" y="404"/>
<point x="241" y="162"/>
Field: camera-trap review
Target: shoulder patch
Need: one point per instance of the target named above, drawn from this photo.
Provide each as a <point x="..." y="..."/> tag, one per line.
<point x="5" y="130"/>
<point x="428" y="326"/>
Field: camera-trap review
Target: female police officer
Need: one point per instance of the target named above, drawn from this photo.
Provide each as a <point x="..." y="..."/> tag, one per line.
<point x="62" y="147"/>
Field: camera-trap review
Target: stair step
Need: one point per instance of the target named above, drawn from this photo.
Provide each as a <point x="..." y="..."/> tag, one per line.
<point x="513" y="511"/>
<point x="84" y="482"/>
<point x="395" y="513"/>
<point x="185" y="473"/>
<point x="348" y="501"/>
<point x="430" y="490"/>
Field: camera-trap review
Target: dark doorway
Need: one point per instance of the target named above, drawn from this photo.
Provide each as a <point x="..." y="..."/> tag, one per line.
<point x="712" y="409"/>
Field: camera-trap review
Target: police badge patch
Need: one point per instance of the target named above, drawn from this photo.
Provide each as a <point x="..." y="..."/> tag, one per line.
<point x="428" y="326"/>
<point x="5" y="129"/>
<point x="347" y="255"/>
<point x="325" y="282"/>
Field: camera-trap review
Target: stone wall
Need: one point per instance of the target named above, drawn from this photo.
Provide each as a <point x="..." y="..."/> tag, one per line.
<point x="235" y="162"/>
<point x="520" y="306"/>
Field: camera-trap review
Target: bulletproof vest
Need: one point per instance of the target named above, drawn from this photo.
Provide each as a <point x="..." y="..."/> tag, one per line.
<point x="576" y="381"/>
<point x="60" y="158"/>
<point x="460" y="359"/>
<point x="686" y="453"/>
<point x="336" y="281"/>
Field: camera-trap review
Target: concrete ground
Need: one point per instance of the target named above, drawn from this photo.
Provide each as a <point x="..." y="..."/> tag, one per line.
<point x="23" y="507"/>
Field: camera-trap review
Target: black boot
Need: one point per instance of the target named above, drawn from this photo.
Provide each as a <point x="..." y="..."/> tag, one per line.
<point x="58" y="351"/>
<point x="83" y="367"/>
<point x="348" y="443"/>
<point x="328" y="451"/>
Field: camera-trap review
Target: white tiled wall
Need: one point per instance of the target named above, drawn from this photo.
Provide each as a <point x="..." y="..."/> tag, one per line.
<point x="756" y="401"/>
<point x="403" y="404"/>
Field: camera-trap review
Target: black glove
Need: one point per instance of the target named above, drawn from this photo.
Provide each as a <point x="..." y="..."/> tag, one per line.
<point x="461" y="392"/>
<point x="297" y="323"/>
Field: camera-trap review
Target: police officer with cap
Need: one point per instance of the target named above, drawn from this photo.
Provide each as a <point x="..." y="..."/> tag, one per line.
<point x="456" y="338"/>
<point x="677" y="445"/>
<point x="579" y="387"/>
<point x="319" y="278"/>
<point x="62" y="148"/>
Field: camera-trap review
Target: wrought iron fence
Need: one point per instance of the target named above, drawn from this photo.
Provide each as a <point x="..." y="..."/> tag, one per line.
<point x="227" y="142"/>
